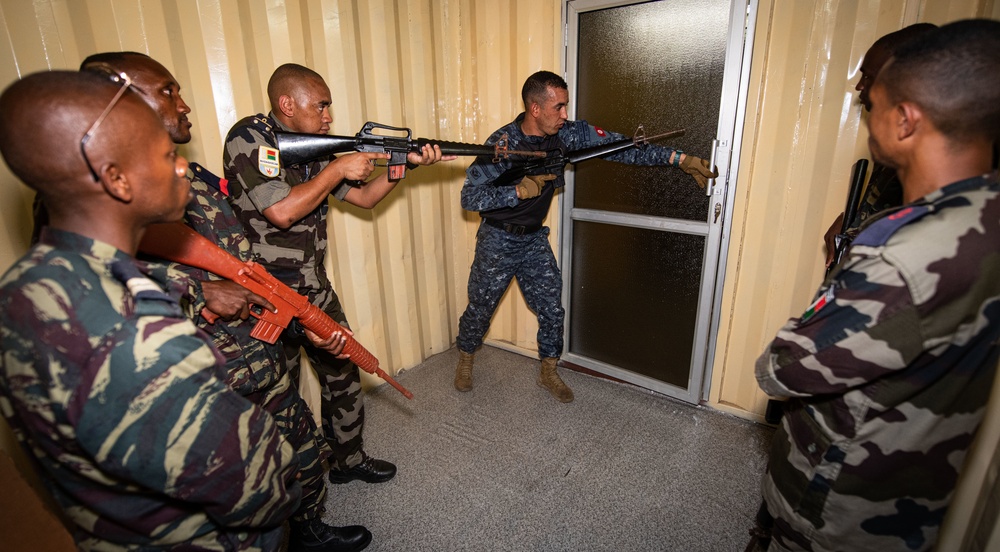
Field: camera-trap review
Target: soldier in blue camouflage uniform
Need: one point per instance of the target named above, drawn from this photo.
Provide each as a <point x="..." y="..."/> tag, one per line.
<point x="255" y="369"/>
<point x="119" y="397"/>
<point x="884" y="190"/>
<point x="889" y="370"/>
<point x="284" y="211"/>
<point x="512" y="240"/>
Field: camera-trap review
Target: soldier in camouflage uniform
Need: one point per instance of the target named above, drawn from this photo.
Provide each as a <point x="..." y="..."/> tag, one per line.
<point x="255" y="369"/>
<point x="119" y="397"/>
<point x="889" y="370"/>
<point x="884" y="190"/>
<point x="284" y="211"/>
<point x="512" y="240"/>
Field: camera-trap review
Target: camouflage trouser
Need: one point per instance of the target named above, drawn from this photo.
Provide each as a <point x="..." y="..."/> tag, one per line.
<point x="294" y="421"/>
<point x="775" y="535"/>
<point x="500" y="256"/>
<point x="342" y="406"/>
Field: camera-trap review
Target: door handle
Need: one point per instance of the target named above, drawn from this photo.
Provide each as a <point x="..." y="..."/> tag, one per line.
<point x="711" y="166"/>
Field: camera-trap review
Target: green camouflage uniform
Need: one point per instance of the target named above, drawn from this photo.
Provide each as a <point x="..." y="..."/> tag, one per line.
<point x="889" y="372"/>
<point x="255" y="369"/>
<point x="121" y="400"/>
<point x="296" y="257"/>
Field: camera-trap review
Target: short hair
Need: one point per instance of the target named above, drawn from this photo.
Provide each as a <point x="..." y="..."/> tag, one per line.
<point x="50" y="111"/>
<point x="534" y="89"/>
<point x="285" y="78"/>
<point x="951" y="73"/>
<point x="897" y="39"/>
<point x="114" y="59"/>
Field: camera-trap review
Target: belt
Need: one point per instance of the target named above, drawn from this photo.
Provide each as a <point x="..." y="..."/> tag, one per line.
<point x="516" y="229"/>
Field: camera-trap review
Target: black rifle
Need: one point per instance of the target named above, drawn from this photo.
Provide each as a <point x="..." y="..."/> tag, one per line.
<point x="296" y="148"/>
<point x="842" y="240"/>
<point x="557" y="159"/>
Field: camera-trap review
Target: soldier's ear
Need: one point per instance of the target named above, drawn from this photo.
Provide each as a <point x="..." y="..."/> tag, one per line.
<point x="909" y="117"/>
<point x="115" y="183"/>
<point x="286" y="105"/>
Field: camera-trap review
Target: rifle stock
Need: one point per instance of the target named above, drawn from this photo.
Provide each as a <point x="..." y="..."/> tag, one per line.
<point x="297" y="148"/>
<point x="178" y="243"/>
<point x="842" y="240"/>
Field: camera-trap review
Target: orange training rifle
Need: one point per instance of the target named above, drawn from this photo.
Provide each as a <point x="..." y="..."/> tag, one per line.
<point x="178" y="243"/>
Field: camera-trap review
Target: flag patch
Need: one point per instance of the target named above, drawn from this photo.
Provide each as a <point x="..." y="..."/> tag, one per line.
<point x="823" y="300"/>
<point x="268" y="161"/>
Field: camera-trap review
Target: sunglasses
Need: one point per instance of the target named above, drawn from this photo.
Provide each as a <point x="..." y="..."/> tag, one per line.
<point x="116" y="77"/>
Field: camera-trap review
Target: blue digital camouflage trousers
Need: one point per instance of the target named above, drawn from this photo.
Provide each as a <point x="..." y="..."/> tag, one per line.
<point x="501" y="256"/>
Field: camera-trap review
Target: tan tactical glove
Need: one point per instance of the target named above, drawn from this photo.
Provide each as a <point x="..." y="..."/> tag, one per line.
<point x="531" y="185"/>
<point x="698" y="168"/>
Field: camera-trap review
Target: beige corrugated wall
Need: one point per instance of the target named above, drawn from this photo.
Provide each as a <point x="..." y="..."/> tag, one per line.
<point x="452" y="69"/>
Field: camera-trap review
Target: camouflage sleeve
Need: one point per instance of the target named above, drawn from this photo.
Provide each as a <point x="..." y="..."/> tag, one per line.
<point x="579" y="135"/>
<point x="862" y="326"/>
<point x="182" y="430"/>
<point x="242" y="160"/>
<point x="478" y="191"/>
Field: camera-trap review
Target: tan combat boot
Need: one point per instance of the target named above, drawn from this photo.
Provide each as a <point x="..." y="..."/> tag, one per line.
<point x="463" y="372"/>
<point x="550" y="380"/>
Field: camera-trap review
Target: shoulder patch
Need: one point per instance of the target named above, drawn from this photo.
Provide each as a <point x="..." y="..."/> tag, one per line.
<point x="879" y="232"/>
<point x="267" y="161"/>
<point x="139" y="286"/>
<point x="206" y="176"/>
<point x="261" y="123"/>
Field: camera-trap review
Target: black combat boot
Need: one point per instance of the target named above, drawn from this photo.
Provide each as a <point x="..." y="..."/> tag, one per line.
<point x="370" y="470"/>
<point x="315" y="536"/>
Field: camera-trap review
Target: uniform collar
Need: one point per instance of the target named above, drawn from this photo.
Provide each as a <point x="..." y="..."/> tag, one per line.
<point x="78" y="243"/>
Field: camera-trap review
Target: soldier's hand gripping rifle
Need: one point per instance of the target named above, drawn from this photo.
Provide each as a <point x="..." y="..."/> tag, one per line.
<point x="556" y="160"/>
<point x="843" y="240"/>
<point x="176" y="242"/>
<point x="296" y="148"/>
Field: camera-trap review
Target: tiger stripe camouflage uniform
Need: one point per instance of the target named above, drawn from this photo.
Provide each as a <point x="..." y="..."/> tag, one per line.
<point x="889" y="371"/>
<point x="255" y="368"/>
<point x="296" y="257"/>
<point x="122" y="402"/>
<point x="512" y="242"/>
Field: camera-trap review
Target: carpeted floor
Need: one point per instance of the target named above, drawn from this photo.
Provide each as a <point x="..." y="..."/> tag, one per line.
<point x="507" y="467"/>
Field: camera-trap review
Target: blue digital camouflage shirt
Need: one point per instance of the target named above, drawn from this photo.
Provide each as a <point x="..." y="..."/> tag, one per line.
<point x="121" y="400"/>
<point x="889" y="371"/>
<point x="501" y="202"/>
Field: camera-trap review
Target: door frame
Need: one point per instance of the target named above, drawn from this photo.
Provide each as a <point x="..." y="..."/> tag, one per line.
<point x="717" y="230"/>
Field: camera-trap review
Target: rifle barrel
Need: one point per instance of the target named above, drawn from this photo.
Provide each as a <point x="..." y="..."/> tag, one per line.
<point x="608" y="148"/>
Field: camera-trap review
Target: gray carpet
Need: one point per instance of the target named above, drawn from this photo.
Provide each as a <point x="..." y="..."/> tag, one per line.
<point x="507" y="467"/>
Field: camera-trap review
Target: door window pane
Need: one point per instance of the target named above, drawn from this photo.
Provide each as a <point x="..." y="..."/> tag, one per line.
<point x="659" y="64"/>
<point x="635" y="297"/>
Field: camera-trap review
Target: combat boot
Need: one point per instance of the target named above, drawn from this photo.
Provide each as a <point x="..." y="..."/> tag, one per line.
<point x="463" y="372"/>
<point x="549" y="379"/>
<point x="315" y="536"/>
